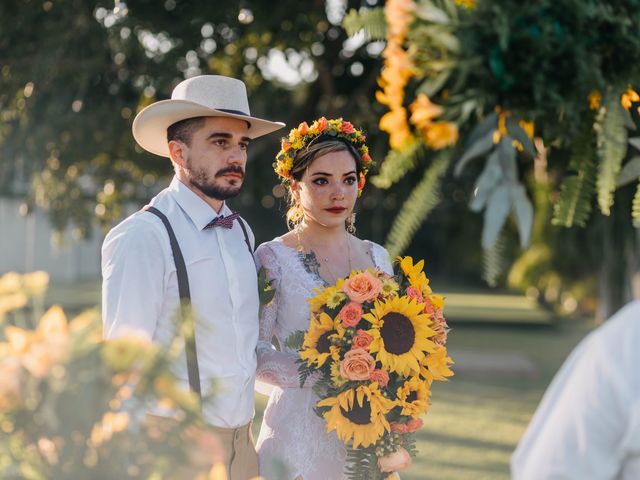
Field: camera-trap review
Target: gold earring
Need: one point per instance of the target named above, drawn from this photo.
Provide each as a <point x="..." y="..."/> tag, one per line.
<point x="351" y="224"/>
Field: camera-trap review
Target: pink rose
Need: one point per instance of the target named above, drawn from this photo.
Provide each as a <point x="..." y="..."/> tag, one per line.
<point x="351" y="314"/>
<point x="415" y="294"/>
<point x="347" y="128"/>
<point x="303" y="128"/>
<point x="414" y="424"/>
<point x="397" y="427"/>
<point x="322" y="124"/>
<point x="394" y="462"/>
<point x="357" y="365"/>
<point x="362" y="287"/>
<point x="361" y="340"/>
<point x="380" y="376"/>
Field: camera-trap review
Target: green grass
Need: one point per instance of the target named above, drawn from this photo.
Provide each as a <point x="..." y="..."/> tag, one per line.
<point x="477" y="418"/>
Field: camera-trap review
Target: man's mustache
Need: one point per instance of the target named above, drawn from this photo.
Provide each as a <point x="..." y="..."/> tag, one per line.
<point x="232" y="169"/>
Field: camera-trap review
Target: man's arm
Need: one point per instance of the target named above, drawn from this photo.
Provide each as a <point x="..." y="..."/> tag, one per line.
<point x="133" y="278"/>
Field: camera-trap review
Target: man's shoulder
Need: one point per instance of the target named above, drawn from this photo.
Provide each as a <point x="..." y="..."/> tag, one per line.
<point x="139" y="228"/>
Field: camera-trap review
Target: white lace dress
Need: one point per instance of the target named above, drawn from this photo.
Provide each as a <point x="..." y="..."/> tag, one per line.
<point x="291" y="432"/>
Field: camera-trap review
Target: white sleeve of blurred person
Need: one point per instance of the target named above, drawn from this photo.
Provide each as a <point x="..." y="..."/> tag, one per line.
<point x="133" y="277"/>
<point x="588" y="423"/>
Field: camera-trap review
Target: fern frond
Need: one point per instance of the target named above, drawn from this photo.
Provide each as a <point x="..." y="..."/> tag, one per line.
<point x="422" y="200"/>
<point x="397" y="164"/>
<point x="371" y="20"/>
<point x="635" y="208"/>
<point x="295" y="340"/>
<point x="576" y="191"/>
<point x="494" y="262"/>
<point x="612" y="147"/>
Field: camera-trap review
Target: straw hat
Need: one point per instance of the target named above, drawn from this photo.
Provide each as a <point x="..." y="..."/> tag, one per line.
<point x="201" y="96"/>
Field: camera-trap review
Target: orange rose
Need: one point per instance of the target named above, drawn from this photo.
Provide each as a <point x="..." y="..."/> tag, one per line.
<point x="361" y="182"/>
<point x="361" y="339"/>
<point x="351" y="314"/>
<point x="347" y="128"/>
<point x="303" y="128"/>
<point x="322" y="124"/>
<point x="397" y="427"/>
<point x="380" y="376"/>
<point x="394" y="462"/>
<point x="357" y="365"/>
<point x="366" y="158"/>
<point x="415" y="294"/>
<point x="362" y="287"/>
<point x="285" y="146"/>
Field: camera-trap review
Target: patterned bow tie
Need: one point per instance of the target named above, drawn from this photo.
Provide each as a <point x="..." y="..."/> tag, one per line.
<point x="222" y="221"/>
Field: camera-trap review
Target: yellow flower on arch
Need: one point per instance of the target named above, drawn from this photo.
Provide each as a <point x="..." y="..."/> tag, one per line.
<point x="317" y="346"/>
<point x="400" y="334"/>
<point x="414" y="397"/>
<point x="358" y="414"/>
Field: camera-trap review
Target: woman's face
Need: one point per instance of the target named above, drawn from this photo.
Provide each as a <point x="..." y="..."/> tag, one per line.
<point x="328" y="189"/>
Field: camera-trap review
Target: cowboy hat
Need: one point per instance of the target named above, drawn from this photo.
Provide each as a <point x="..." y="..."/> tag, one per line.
<point x="201" y="96"/>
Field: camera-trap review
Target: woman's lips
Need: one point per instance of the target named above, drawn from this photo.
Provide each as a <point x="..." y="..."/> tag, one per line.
<point x="336" y="210"/>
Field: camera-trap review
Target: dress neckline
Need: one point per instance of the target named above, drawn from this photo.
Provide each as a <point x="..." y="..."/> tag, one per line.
<point x="316" y="275"/>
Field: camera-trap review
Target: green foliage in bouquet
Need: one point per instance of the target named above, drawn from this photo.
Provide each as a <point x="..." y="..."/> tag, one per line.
<point x="74" y="406"/>
<point x="497" y="81"/>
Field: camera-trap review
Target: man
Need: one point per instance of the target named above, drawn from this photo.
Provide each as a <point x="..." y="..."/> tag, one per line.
<point x="188" y="246"/>
<point x="588" y="423"/>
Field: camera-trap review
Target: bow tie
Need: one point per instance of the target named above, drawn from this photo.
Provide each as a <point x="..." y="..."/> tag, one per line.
<point x="222" y="221"/>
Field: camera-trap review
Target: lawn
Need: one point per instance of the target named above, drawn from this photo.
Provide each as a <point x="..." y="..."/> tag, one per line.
<point x="477" y="418"/>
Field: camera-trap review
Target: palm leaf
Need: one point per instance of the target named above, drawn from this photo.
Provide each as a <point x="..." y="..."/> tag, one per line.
<point x="576" y="191"/>
<point x="371" y="20"/>
<point x="630" y="172"/>
<point x="422" y="200"/>
<point x="397" y="164"/>
<point x="635" y="208"/>
<point x="612" y="147"/>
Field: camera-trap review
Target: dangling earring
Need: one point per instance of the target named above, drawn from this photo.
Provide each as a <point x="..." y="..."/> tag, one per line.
<point x="351" y="224"/>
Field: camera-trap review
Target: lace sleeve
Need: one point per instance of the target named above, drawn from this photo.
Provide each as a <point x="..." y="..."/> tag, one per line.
<point x="274" y="367"/>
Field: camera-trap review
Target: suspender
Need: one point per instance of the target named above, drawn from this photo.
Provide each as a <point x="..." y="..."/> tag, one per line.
<point x="185" y="298"/>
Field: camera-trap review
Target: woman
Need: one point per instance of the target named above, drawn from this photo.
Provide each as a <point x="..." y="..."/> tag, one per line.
<point x="323" y="167"/>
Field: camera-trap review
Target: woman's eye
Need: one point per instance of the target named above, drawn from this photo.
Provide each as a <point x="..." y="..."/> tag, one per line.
<point x="320" y="181"/>
<point x="350" y="180"/>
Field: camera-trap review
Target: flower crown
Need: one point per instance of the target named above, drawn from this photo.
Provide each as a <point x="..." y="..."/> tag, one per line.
<point x="305" y="135"/>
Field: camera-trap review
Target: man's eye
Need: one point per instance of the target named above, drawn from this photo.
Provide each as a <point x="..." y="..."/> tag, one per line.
<point x="244" y="146"/>
<point x="221" y="142"/>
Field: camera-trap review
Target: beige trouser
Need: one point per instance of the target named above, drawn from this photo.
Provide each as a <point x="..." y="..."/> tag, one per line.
<point x="240" y="457"/>
<point x="233" y="447"/>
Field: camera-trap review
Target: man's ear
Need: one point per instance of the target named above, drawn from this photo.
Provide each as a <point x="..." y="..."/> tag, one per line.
<point x="178" y="152"/>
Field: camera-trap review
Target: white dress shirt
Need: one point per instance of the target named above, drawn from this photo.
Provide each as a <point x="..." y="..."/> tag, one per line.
<point x="140" y="292"/>
<point x="587" y="426"/>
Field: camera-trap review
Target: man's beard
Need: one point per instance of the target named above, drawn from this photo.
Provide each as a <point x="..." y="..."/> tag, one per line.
<point x="200" y="180"/>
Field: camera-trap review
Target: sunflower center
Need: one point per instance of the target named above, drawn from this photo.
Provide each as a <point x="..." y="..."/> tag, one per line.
<point x="412" y="397"/>
<point x="324" y="343"/>
<point x="359" y="414"/>
<point x="397" y="333"/>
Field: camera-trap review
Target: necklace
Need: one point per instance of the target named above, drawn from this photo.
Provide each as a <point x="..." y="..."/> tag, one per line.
<point x="310" y="259"/>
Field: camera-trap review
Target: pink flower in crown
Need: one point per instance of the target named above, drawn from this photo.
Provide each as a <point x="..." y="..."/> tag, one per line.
<point x="351" y="314"/>
<point x="347" y="128"/>
<point x="362" y="287"/>
<point x="414" y="294"/>
<point x="322" y="124"/>
<point x="303" y="128"/>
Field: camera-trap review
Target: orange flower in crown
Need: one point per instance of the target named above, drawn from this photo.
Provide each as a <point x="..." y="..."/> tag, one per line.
<point x="301" y="137"/>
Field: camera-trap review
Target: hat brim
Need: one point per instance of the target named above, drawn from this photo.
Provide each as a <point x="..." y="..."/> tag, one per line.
<point x="150" y="125"/>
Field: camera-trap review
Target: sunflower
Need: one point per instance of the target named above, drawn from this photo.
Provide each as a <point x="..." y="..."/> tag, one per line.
<point x="400" y="334"/>
<point x="436" y="365"/>
<point x="337" y="379"/>
<point x="415" y="275"/>
<point x="358" y="414"/>
<point x="413" y="397"/>
<point x="317" y="346"/>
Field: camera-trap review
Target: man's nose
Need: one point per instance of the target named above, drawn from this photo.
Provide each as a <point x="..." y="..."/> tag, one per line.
<point x="237" y="155"/>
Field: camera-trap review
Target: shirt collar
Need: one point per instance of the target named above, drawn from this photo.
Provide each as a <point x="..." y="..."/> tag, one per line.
<point x="199" y="211"/>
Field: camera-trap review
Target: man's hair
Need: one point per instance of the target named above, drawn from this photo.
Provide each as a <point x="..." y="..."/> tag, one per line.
<point x="184" y="129"/>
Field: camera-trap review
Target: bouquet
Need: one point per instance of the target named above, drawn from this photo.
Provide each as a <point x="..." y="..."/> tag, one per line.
<point x="378" y="343"/>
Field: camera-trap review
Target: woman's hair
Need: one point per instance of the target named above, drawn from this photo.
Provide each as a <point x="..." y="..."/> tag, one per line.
<point x="303" y="161"/>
